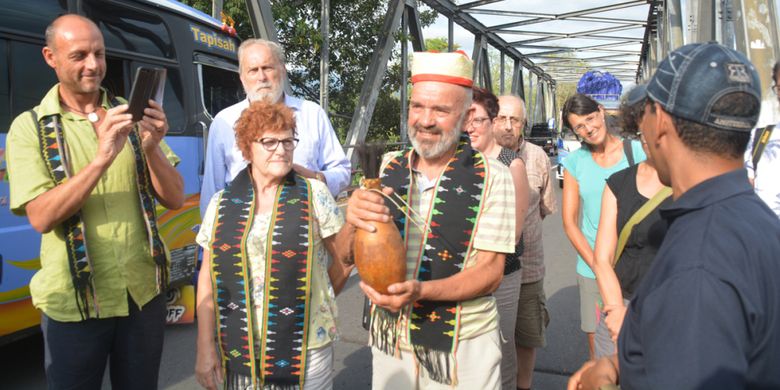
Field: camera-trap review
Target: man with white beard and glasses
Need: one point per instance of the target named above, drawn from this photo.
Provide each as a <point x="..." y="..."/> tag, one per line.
<point x="319" y="154"/>
<point x="439" y="328"/>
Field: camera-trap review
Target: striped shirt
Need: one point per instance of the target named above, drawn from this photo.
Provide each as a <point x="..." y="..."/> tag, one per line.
<point x="541" y="200"/>
<point x="495" y="232"/>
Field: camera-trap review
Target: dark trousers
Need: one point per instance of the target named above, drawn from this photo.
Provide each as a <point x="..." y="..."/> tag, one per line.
<point x="76" y="352"/>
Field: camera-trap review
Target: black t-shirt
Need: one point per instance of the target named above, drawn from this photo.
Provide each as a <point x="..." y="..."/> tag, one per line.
<point x="645" y="238"/>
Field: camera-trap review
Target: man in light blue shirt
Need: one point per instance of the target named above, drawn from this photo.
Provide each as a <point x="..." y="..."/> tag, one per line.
<point x="764" y="174"/>
<point x="319" y="154"/>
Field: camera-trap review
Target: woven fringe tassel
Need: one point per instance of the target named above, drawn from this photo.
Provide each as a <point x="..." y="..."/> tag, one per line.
<point x="384" y="332"/>
<point x="438" y="365"/>
<point x="82" y="304"/>
<point x="281" y="387"/>
<point x="235" y="381"/>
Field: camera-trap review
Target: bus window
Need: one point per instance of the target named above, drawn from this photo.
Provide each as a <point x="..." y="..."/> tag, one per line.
<point x="173" y="102"/>
<point x="221" y="88"/>
<point x="131" y="30"/>
<point x="31" y="16"/>
<point x="5" y="89"/>
<point x="114" y="81"/>
<point x="30" y="77"/>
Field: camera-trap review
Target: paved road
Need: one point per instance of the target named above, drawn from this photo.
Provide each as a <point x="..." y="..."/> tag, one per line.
<point x="21" y="363"/>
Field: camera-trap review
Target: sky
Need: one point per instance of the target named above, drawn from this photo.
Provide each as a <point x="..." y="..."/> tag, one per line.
<point x="637" y="12"/>
<point x="466" y="40"/>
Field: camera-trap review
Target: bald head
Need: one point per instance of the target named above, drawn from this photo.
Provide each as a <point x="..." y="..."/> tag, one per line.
<point x="510" y="121"/>
<point x="65" y="25"/>
<point x="76" y="52"/>
<point x="514" y="103"/>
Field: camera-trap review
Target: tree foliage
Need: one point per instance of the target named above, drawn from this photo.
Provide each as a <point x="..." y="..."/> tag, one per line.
<point x="439" y="44"/>
<point x="354" y="31"/>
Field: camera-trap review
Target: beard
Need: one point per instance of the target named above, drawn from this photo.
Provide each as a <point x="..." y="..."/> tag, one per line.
<point x="431" y="149"/>
<point x="271" y="96"/>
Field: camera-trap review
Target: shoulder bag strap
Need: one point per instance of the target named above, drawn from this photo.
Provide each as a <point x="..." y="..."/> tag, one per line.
<point x="638" y="216"/>
<point x="759" y="144"/>
<point x="629" y="151"/>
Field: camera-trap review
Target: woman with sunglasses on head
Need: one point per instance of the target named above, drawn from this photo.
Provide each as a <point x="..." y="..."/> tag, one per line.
<point x="584" y="179"/>
<point x="630" y="223"/>
<point x="480" y="130"/>
<point x="265" y="289"/>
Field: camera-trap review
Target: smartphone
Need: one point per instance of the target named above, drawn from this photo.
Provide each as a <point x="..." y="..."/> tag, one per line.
<point x="149" y="83"/>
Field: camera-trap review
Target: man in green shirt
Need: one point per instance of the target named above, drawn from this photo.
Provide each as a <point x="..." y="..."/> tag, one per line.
<point x="87" y="177"/>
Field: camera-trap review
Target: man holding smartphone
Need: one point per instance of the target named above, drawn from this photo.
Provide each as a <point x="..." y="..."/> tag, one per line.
<point x="87" y="176"/>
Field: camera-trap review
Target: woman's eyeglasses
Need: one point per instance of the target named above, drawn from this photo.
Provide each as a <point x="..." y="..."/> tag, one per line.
<point x="589" y="121"/>
<point x="270" y="144"/>
<point x="479" y="122"/>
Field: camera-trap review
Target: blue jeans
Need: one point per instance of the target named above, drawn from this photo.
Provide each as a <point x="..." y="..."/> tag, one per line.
<point x="76" y="352"/>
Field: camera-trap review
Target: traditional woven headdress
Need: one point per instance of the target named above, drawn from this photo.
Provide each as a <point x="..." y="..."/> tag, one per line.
<point x="454" y="68"/>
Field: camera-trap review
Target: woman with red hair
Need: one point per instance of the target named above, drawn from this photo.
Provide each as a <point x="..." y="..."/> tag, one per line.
<point x="265" y="289"/>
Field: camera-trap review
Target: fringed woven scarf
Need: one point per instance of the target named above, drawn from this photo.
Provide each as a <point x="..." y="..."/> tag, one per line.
<point x="280" y="361"/>
<point x="433" y="326"/>
<point x="55" y="154"/>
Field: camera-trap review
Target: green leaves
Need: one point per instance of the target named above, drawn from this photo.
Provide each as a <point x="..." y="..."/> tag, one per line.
<point x="354" y="30"/>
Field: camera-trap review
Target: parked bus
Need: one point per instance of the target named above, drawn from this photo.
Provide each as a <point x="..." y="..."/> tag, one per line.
<point x="202" y="79"/>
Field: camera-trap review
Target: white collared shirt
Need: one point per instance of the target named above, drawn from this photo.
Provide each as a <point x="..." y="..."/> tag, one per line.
<point x="767" y="175"/>
<point x="319" y="148"/>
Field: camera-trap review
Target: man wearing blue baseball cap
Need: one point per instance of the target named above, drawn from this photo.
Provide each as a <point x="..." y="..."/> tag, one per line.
<point x="707" y="313"/>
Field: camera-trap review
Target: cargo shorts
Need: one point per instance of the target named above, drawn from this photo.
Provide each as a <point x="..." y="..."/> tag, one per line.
<point x="532" y="316"/>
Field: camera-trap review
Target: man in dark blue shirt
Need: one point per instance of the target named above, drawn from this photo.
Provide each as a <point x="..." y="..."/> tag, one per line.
<point x="707" y="314"/>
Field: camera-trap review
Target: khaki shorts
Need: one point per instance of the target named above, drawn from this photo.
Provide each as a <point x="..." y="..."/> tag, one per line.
<point x="589" y="301"/>
<point x="532" y="316"/>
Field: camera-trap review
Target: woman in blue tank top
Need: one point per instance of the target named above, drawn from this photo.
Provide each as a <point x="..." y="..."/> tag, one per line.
<point x="585" y="173"/>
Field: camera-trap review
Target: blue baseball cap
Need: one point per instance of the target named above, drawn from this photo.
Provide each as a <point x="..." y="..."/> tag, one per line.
<point x="694" y="77"/>
<point x="636" y="94"/>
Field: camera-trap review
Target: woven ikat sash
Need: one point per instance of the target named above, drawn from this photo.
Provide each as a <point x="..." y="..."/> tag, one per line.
<point x="433" y="326"/>
<point x="55" y="155"/>
<point x="280" y="361"/>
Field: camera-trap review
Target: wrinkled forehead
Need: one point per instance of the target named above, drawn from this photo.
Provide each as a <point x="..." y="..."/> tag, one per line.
<point x="258" y="54"/>
<point x="510" y="108"/>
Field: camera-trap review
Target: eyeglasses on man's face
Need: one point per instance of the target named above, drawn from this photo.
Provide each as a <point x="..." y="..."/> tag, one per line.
<point x="502" y="120"/>
<point x="271" y="144"/>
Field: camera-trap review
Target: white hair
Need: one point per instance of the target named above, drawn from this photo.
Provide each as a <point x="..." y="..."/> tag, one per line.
<point x="275" y="48"/>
